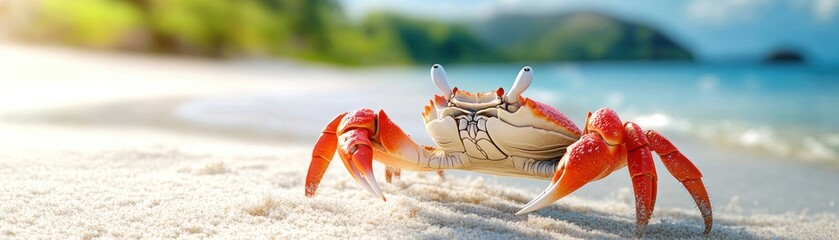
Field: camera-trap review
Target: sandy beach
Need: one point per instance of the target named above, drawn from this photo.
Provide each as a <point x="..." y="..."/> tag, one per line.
<point x="106" y="145"/>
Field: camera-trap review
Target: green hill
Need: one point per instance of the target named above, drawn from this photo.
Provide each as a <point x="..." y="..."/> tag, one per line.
<point x="577" y="37"/>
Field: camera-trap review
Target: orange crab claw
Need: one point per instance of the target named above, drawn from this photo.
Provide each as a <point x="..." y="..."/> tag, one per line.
<point x="359" y="135"/>
<point x="587" y="160"/>
<point x="597" y="154"/>
<point x="358" y="158"/>
<point x="356" y="149"/>
<point x="351" y="132"/>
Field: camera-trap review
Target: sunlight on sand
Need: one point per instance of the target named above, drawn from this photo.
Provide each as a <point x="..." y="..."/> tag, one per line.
<point x="73" y="168"/>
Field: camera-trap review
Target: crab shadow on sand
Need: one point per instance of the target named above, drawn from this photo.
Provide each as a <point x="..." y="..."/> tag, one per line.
<point x="490" y="211"/>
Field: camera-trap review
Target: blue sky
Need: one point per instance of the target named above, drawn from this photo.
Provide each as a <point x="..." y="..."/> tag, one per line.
<point x="716" y="30"/>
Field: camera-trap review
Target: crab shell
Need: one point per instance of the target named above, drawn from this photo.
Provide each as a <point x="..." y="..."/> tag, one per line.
<point x="499" y="136"/>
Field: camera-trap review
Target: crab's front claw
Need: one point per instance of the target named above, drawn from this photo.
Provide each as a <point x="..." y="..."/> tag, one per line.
<point x="357" y="155"/>
<point x="349" y="133"/>
<point x="587" y="160"/>
<point x="359" y="135"/>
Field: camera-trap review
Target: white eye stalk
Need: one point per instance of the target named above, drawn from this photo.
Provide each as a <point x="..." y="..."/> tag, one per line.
<point x="438" y="76"/>
<point x="523" y="81"/>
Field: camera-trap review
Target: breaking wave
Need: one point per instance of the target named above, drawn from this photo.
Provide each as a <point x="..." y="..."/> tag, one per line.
<point x="797" y="144"/>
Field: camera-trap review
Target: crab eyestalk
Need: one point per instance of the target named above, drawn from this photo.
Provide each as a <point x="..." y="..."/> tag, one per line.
<point x="438" y="76"/>
<point x="523" y="81"/>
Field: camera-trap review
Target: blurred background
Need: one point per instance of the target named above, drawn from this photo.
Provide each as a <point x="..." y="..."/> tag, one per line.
<point x="368" y="32"/>
<point x="754" y="77"/>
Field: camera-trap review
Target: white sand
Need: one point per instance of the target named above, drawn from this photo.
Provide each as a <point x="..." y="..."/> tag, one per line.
<point x="93" y="181"/>
<point x="136" y="184"/>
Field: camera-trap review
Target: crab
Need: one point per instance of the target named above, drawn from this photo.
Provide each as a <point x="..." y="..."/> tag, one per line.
<point x="511" y="135"/>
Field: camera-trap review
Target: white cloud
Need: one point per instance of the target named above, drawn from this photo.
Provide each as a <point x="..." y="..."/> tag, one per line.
<point x="745" y="11"/>
<point x="824" y="10"/>
<point x="726" y="12"/>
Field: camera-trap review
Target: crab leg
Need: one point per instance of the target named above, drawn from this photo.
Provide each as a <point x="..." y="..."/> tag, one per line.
<point x="390" y="172"/>
<point x="683" y="170"/>
<point x="642" y="171"/>
<point x="322" y="155"/>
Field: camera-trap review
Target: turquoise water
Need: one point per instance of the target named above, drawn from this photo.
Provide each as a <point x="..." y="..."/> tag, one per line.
<point x="780" y="111"/>
<point x="787" y="111"/>
<point x="778" y="95"/>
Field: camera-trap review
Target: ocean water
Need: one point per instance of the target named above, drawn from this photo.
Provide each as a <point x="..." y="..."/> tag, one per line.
<point x="781" y="111"/>
<point x="788" y="111"/>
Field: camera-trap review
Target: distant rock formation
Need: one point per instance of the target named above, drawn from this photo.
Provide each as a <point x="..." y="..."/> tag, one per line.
<point x="784" y="56"/>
